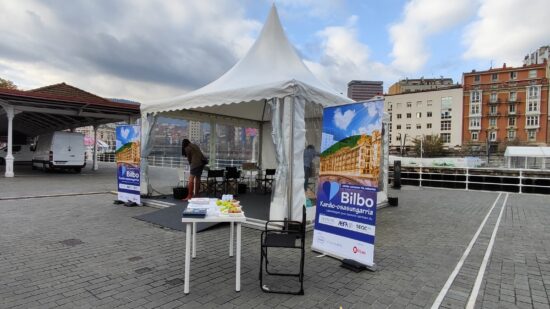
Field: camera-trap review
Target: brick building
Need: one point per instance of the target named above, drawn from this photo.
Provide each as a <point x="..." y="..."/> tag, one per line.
<point x="506" y="105"/>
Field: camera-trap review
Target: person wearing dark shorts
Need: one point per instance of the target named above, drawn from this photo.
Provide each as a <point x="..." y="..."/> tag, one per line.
<point x="197" y="161"/>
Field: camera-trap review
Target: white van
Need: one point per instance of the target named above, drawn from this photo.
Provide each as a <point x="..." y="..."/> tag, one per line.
<point x="60" y="150"/>
<point x="22" y="154"/>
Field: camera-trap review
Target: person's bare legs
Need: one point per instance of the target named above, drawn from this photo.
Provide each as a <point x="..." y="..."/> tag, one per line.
<point x="190" y="188"/>
<point x="197" y="185"/>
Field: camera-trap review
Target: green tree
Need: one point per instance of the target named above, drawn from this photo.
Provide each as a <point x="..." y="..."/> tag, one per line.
<point x="431" y="145"/>
<point x="7" y="84"/>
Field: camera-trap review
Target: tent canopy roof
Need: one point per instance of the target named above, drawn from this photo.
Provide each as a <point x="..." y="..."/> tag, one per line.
<point x="271" y="69"/>
<point x="517" y="151"/>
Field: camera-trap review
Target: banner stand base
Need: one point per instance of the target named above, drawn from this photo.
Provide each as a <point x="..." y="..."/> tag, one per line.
<point x="356" y="266"/>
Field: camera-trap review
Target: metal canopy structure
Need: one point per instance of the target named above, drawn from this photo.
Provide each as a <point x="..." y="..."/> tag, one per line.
<point x="53" y="108"/>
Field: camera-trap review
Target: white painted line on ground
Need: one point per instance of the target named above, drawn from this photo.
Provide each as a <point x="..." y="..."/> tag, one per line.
<point x="51" y="195"/>
<point x="454" y="273"/>
<point x="481" y="272"/>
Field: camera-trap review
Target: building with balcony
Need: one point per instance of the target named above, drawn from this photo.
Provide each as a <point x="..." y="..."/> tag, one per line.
<point x="506" y="105"/>
<point x="361" y="90"/>
<point x="429" y="112"/>
<point x="420" y="84"/>
<point x="538" y="56"/>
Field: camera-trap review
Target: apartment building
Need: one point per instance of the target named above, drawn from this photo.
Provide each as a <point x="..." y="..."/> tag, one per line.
<point x="429" y="112"/>
<point x="539" y="56"/>
<point x="361" y="90"/>
<point x="506" y="104"/>
<point x="420" y="84"/>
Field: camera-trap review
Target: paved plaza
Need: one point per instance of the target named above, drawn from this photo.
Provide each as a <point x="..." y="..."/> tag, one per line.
<point x="84" y="252"/>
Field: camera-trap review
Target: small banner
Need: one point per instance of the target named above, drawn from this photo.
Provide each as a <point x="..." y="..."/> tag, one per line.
<point x="348" y="181"/>
<point x="128" y="156"/>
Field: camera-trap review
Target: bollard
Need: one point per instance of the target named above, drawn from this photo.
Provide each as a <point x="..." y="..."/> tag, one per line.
<point x="397" y="174"/>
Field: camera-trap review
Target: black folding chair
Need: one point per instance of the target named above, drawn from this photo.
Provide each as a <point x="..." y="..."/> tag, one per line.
<point x="293" y="235"/>
<point x="231" y="180"/>
<point x="215" y="182"/>
<point x="267" y="180"/>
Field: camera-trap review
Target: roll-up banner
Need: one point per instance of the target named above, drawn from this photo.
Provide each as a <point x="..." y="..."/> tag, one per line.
<point x="128" y="157"/>
<point x="348" y="181"/>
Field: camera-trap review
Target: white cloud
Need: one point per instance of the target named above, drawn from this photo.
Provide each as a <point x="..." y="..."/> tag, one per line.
<point x="342" y="120"/>
<point x="141" y="50"/>
<point x="421" y="19"/>
<point x="312" y="8"/>
<point x="344" y="58"/>
<point x="373" y="109"/>
<point x="506" y="30"/>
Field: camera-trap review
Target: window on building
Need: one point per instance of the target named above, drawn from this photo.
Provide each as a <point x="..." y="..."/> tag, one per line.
<point x="493" y="136"/>
<point x="494" y="77"/>
<point x="533" y="106"/>
<point x="513" y="75"/>
<point x="429" y="114"/>
<point x="408" y="126"/>
<point x="492" y="110"/>
<point x="398" y="127"/>
<point x="533" y="92"/>
<point x="475" y="122"/>
<point x="511" y="121"/>
<point x="418" y="104"/>
<point x="475" y="136"/>
<point x="513" y="96"/>
<point x="511" y="134"/>
<point x="445" y="125"/>
<point x="493" y="97"/>
<point x="418" y="126"/>
<point x="475" y="109"/>
<point x="409" y="115"/>
<point x="532" y="121"/>
<point x="446" y="137"/>
<point x="398" y="105"/>
<point x="475" y="96"/>
<point x="532" y="73"/>
<point x="492" y="122"/>
<point x="429" y="125"/>
<point x="409" y="104"/>
<point x="390" y="107"/>
<point x="532" y="134"/>
<point x="429" y="103"/>
<point x="512" y="108"/>
<point x="398" y="116"/>
<point x="477" y="78"/>
<point x="446" y="107"/>
<point x="398" y="137"/>
<point x="418" y="115"/>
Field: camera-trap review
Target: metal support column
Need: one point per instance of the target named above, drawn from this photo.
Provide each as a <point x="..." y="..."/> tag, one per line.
<point x="95" y="166"/>
<point x="9" y="156"/>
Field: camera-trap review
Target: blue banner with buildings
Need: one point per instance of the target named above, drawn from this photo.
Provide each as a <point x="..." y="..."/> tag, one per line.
<point x="349" y="172"/>
<point x="128" y="157"/>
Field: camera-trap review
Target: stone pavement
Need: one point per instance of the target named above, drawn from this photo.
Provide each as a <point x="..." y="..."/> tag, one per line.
<point x="85" y="252"/>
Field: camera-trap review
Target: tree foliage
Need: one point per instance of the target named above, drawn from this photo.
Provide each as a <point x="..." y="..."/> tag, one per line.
<point x="7" y="84"/>
<point x="431" y="146"/>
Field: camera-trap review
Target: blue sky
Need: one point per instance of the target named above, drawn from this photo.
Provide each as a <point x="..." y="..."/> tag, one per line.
<point x="353" y="119"/>
<point x="152" y="49"/>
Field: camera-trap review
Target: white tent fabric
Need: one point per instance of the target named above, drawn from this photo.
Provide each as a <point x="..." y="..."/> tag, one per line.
<point x="531" y="152"/>
<point x="270" y="69"/>
<point x="270" y="72"/>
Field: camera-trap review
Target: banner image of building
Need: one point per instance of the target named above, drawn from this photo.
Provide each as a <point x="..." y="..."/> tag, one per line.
<point x="128" y="159"/>
<point x="345" y="216"/>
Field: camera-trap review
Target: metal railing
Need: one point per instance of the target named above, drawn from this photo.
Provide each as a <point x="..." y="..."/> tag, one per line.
<point x="174" y="162"/>
<point x="490" y="179"/>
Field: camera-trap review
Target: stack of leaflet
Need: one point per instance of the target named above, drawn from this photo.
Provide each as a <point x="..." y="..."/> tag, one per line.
<point x="206" y="204"/>
<point x="194" y="213"/>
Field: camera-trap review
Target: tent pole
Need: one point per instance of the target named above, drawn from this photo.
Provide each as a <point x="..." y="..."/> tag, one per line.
<point x="260" y="135"/>
<point x="291" y="162"/>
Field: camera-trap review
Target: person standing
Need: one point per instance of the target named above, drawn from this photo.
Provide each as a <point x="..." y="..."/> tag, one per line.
<point x="309" y="154"/>
<point x="197" y="161"/>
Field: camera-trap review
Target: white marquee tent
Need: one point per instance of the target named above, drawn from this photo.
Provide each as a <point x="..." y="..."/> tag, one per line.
<point x="270" y="86"/>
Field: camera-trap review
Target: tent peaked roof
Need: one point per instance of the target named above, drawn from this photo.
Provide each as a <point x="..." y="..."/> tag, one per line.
<point x="271" y="68"/>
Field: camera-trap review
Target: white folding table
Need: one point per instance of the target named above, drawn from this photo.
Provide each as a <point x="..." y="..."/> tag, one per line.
<point x="191" y="242"/>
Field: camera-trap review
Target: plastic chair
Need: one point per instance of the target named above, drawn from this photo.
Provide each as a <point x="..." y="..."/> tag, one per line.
<point x="215" y="182"/>
<point x="231" y="180"/>
<point x="293" y="235"/>
<point x="267" y="180"/>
